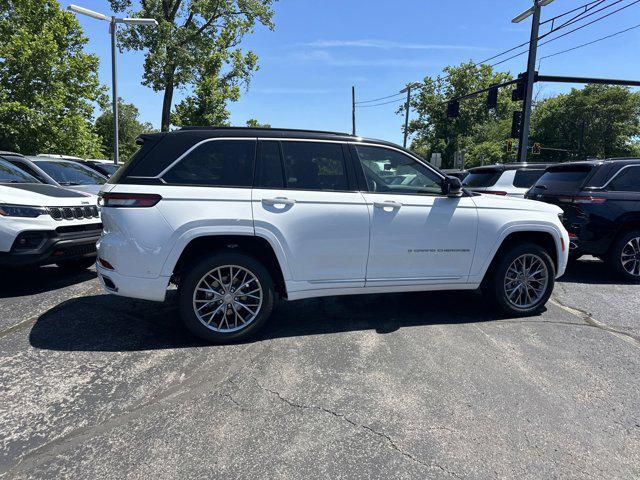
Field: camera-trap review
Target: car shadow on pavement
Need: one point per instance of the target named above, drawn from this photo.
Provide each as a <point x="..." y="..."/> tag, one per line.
<point x="31" y="281"/>
<point x="111" y="323"/>
<point x="590" y="271"/>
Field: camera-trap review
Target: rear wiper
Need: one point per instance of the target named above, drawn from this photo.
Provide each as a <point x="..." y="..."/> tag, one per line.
<point x="541" y="187"/>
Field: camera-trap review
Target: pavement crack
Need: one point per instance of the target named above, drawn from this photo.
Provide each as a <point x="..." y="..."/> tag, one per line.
<point x="386" y="438"/>
<point x="588" y="318"/>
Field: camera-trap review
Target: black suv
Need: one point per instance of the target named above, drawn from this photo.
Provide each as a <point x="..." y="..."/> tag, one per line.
<point x="601" y="203"/>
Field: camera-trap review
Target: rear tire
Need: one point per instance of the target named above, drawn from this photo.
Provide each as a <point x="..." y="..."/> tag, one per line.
<point x="624" y="256"/>
<point x="521" y="281"/>
<point x="76" y="265"/>
<point x="226" y="297"/>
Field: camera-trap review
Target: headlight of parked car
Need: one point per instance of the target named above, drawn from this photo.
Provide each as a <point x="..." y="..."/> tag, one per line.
<point x="20" y="211"/>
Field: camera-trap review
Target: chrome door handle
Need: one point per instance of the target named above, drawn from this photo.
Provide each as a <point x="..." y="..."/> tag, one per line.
<point x="387" y="204"/>
<point x="278" y="201"/>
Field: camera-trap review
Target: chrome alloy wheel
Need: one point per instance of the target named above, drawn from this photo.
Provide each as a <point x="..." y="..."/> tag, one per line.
<point x="526" y="281"/>
<point x="630" y="257"/>
<point x="227" y="298"/>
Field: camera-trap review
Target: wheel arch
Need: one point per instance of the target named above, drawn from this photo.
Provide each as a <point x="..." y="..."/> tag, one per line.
<point x="548" y="238"/>
<point x="259" y="247"/>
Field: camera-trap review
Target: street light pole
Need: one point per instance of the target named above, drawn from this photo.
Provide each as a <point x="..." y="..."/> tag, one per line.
<point x="114" y="89"/>
<point x="113" y="21"/>
<point x="353" y="110"/>
<point x="531" y="72"/>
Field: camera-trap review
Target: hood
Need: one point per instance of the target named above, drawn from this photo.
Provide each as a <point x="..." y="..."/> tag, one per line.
<point x="488" y="200"/>
<point x="43" y="195"/>
<point x="92" y="189"/>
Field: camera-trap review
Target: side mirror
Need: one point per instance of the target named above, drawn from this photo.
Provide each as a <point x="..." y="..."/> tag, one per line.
<point x="451" y="187"/>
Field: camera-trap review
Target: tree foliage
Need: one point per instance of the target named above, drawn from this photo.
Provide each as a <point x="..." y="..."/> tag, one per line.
<point x="129" y="127"/>
<point x="595" y="121"/>
<point x="48" y="85"/>
<point x="196" y="43"/>
<point x="253" y="123"/>
<point x="479" y="132"/>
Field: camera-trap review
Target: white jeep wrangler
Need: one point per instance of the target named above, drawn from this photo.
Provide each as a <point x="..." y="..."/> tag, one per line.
<point x="235" y="216"/>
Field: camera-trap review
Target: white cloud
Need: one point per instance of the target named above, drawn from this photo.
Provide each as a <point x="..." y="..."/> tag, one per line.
<point x="389" y="45"/>
<point x="326" y="58"/>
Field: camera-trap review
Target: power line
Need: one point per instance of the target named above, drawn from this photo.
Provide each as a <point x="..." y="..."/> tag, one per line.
<point x="566" y="24"/>
<point x="591" y="42"/>
<point x="584" y="15"/>
<point x="586" y="5"/>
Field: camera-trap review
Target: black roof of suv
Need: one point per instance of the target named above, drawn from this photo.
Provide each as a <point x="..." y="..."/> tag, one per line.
<point x="168" y="146"/>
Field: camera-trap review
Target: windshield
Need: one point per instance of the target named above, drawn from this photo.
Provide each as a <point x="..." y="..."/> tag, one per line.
<point x="481" y="178"/>
<point x="563" y="179"/>
<point x="9" y="173"/>
<point x="106" y="168"/>
<point x="70" y="173"/>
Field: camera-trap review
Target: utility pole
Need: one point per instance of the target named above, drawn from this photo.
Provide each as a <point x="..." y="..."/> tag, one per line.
<point x="114" y="89"/>
<point x="353" y="110"/>
<point x="406" y="114"/>
<point x="531" y="73"/>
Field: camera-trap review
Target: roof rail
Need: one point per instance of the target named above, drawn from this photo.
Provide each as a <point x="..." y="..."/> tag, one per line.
<point x="265" y="128"/>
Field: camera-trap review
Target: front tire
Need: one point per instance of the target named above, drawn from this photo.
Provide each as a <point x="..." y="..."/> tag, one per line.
<point x="624" y="256"/>
<point x="522" y="280"/>
<point x="226" y="297"/>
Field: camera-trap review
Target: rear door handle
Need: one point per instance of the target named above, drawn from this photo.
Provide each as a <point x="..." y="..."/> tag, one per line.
<point x="278" y="201"/>
<point x="387" y="204"/>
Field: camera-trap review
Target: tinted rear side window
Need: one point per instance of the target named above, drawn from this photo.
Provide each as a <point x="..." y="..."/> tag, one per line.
<point x="222" y="163"/>
<point x="271" y="169"/>
<point x="563" y="179"/>
<point x="481" y="178"/>
<point x="526" y="178"/>
<point x="628" y="180"/>
<point x="314" y="166"/>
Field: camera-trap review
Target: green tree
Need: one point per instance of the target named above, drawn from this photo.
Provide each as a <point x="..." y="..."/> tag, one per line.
<point x="48" y="85"/>
<point x="194" y="43"/>
<point x="595" y="121"/>
<point x="253" y="123"/>
<point x="479" y="132"/>
<point x="129" y="127"/>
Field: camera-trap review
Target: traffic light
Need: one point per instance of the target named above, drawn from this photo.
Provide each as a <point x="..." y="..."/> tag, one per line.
<point x="492" y="98"/>
<point x="453" y="109"/>
<point x="516" y="124"/>
<point x="517" y="94"/>
<point x="509" y="146"/>
<point x="535" y="150"/>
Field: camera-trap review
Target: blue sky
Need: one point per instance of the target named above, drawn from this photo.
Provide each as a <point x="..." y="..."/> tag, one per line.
<point x="319" y="49"/>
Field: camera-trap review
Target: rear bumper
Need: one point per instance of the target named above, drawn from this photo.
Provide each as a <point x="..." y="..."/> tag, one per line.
<point x="53" y="247"/>
<point x="134" y="287"/>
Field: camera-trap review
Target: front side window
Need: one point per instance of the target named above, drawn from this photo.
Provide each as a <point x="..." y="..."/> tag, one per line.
<point x="314" y="166"/>
<point x="628" y="180"/>
<point x="219" y="163"/>
<point x="390" y="171"/>
<point x="11" y="174"/>
<point x="70" y="173"/>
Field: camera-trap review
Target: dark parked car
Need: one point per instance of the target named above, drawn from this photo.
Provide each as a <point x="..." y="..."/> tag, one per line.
<point x="601" y="204"/>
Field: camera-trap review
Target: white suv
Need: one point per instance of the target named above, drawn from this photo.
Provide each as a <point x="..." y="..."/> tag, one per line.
<point x="511" y="180"/>
<point x="235" y="216"/>
<point x="43" y="224"/>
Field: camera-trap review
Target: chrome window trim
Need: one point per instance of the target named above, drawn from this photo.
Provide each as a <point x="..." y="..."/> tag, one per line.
<point x="616" y="174"/>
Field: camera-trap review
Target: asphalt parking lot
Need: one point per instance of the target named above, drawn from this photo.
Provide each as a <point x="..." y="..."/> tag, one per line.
<point x="421" y="385"/>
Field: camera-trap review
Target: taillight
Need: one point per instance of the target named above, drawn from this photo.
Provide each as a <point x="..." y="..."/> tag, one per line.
<point x="585" y="199"/>
<point x="129" y="200"/>
<point x="495" y="192"/>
